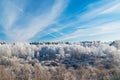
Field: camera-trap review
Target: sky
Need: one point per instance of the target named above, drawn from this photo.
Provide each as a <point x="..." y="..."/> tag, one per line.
<point x="59" y="20"/>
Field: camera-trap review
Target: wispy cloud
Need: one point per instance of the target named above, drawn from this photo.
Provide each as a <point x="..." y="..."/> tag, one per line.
<point x="10" y="14"/>
<point x="107" y="28"/>
<point x="114" y="8"/>
<point x="95" y="28"/>
<point x="35" y="25"/>
<point x="91" y="19"/>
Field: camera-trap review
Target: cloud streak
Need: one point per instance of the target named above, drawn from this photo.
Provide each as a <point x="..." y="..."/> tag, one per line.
<point x="88" y="17"/>
<point x="35" y="25"/>
<point x="57" y="21"/>
<point x="96" y="28"/>
<point x="10" y="14"/>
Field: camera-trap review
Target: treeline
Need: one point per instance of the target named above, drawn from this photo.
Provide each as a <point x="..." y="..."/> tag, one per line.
<point x="89" y="60"/>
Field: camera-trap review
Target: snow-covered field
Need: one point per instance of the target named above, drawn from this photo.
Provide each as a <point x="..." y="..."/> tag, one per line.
<point x="88" y="60"/>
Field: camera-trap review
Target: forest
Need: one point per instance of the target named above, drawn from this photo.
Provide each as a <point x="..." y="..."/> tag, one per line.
<point x="87" y="60"/>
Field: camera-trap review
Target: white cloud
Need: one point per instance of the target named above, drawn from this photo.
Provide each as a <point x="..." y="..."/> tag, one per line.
<point x="113" y="8"/>
<point x="108" y="28"/>
<point x="94" y="28"/>
<point x="90" y="14"/>
<point x="38" y="23"/>
<point x="10" y="13"/>
<point x="52" y="35"/>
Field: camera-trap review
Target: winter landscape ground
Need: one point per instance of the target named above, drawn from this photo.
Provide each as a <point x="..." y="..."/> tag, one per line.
<point x="59" y="39"/>
<point x="88" y="60"/>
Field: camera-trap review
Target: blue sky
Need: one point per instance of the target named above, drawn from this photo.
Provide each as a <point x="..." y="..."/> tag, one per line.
<point x="59" y="20"/>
